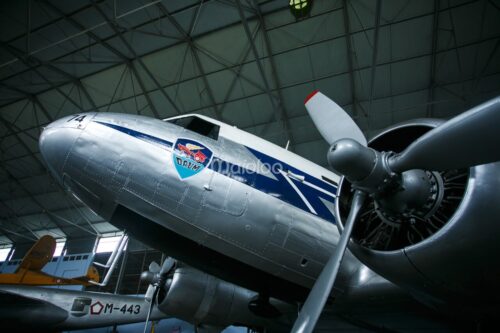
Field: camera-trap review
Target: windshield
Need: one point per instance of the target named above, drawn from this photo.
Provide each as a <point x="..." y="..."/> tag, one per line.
<point x="197" y="125"/>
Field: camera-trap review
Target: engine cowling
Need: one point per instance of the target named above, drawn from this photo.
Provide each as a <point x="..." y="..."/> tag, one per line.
<point x="199" y="298"/>
<point x="446" y="252"/>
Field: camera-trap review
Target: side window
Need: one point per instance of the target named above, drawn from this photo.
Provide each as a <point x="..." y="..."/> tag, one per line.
<point x="198" y="125"/>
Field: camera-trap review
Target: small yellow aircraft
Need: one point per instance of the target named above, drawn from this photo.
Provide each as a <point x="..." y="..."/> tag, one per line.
<point x="30" y="272"/>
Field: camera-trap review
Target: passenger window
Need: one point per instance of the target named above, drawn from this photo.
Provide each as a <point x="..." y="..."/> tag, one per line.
<point x="198" y="125"/>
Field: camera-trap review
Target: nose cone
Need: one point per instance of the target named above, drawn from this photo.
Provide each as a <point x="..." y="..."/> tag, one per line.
<point x="57" y="140"/>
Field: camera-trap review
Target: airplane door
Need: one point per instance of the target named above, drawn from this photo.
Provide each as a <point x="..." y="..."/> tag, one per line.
<point x="227" y="190"/>
<point x="225" y="194"/>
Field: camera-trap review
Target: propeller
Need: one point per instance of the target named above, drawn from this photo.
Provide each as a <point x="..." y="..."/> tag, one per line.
<point x="469" y="139"/>
<point x="156" y="276"/>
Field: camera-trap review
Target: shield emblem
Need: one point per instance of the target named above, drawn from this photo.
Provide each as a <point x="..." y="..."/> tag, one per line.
<point x="190" y="157"/>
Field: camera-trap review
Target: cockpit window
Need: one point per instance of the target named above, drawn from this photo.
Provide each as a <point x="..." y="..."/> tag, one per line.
<point x="198" y="125"/>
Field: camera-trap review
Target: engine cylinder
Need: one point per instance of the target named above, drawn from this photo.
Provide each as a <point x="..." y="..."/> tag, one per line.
<point x="446" y="253"/>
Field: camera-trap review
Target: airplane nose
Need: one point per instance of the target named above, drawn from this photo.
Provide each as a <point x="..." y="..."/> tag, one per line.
<point x="57" y="140"/>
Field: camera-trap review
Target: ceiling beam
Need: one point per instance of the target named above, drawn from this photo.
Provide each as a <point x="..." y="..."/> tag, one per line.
<point x="16" y="53"/>
<point x="432" y="74"/>
<point x="189" y="40"/>
<point x="373" y="69"/>
<point x="440" y="84"/>
<point x="61" y="212"/>
<point x="47" y="24"/>
<point x="33" y="199"/>
<point x="349" y="56"/>
<point x="237" y="72"/>
<point x="9" y="231"/>
<point x="78" y="50"/>
<point x="19" y="221"/>
<point x="391" y="62"/>
<point x="234" y="68"/>
<point x="135" y="57"/>
<point x="21" y="142"/>
<point x="23" y="187"/>
<point x="278" y="105"/>
<point x="81" y="27"/>
<point x="363" y="30"/>
<point x="33" y="62"/>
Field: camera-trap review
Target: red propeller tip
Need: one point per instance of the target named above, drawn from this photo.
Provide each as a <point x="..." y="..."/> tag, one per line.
<point x="310" y="96"/>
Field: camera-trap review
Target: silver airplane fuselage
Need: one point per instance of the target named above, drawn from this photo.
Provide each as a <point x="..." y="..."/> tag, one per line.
<point x="213" y="196"/>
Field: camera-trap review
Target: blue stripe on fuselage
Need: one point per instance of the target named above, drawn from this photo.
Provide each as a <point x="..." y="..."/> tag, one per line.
<point x="310" y="193"/>
<point x="138" y="135"/>
<point x="313" y="196"/>
<point x="268" y="160"/>
<point x="279" y="188"/>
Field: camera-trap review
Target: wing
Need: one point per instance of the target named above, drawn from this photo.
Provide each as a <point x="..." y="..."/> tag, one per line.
<point x="19" y="313"/>
<point x="39" y="255"/>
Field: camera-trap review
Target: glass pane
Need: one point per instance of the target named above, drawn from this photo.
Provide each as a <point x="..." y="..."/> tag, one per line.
<point x="107" y="244"/>
<point x="59" y="248"/>
<point x="4" y="253"/>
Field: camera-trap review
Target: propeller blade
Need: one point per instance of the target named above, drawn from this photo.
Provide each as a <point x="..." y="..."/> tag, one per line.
<point x="150" y="293"/>
<point x="168" y="264"/>
<point x="471" y="138"/>
<point x="316" y="300"/>
<point x="153" y="300"/>
<point x="331" y="120"/>
<point x="154" y="267"/>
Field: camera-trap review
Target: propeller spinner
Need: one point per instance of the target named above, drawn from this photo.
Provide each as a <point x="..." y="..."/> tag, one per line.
<point x="396" y="181"/>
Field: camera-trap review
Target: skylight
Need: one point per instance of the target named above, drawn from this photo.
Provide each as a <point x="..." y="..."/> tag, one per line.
<point x="4" y="252"/>
<point x="59" y="247"/>
<point x="108" y="243"/>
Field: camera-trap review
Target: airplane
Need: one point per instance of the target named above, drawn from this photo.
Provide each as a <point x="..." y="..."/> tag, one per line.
<point x="33" y="308"/>
<point x="184" y="293"/>
<point x="29" y="271"/>
<point x="419" y="199"/>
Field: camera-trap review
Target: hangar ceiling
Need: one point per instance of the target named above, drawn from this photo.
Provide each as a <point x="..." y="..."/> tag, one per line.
<point x="246" y="62"/>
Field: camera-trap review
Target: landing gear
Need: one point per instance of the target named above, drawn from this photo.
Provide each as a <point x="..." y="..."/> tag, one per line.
<point x="261" y="307"/>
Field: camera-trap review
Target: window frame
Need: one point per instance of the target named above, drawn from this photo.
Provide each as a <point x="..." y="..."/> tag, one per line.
<point x="181" y="122"/>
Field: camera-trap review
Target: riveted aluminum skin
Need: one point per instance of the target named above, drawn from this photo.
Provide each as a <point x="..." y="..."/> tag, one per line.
<point x="108" y="168"/>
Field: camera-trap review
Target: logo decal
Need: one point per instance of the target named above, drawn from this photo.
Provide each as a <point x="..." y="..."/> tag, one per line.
<point x="190" y="157"/>
<point x="96" y="308"/>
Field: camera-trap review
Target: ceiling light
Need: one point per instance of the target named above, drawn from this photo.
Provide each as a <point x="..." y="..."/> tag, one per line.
<point x="300" y="8"/>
